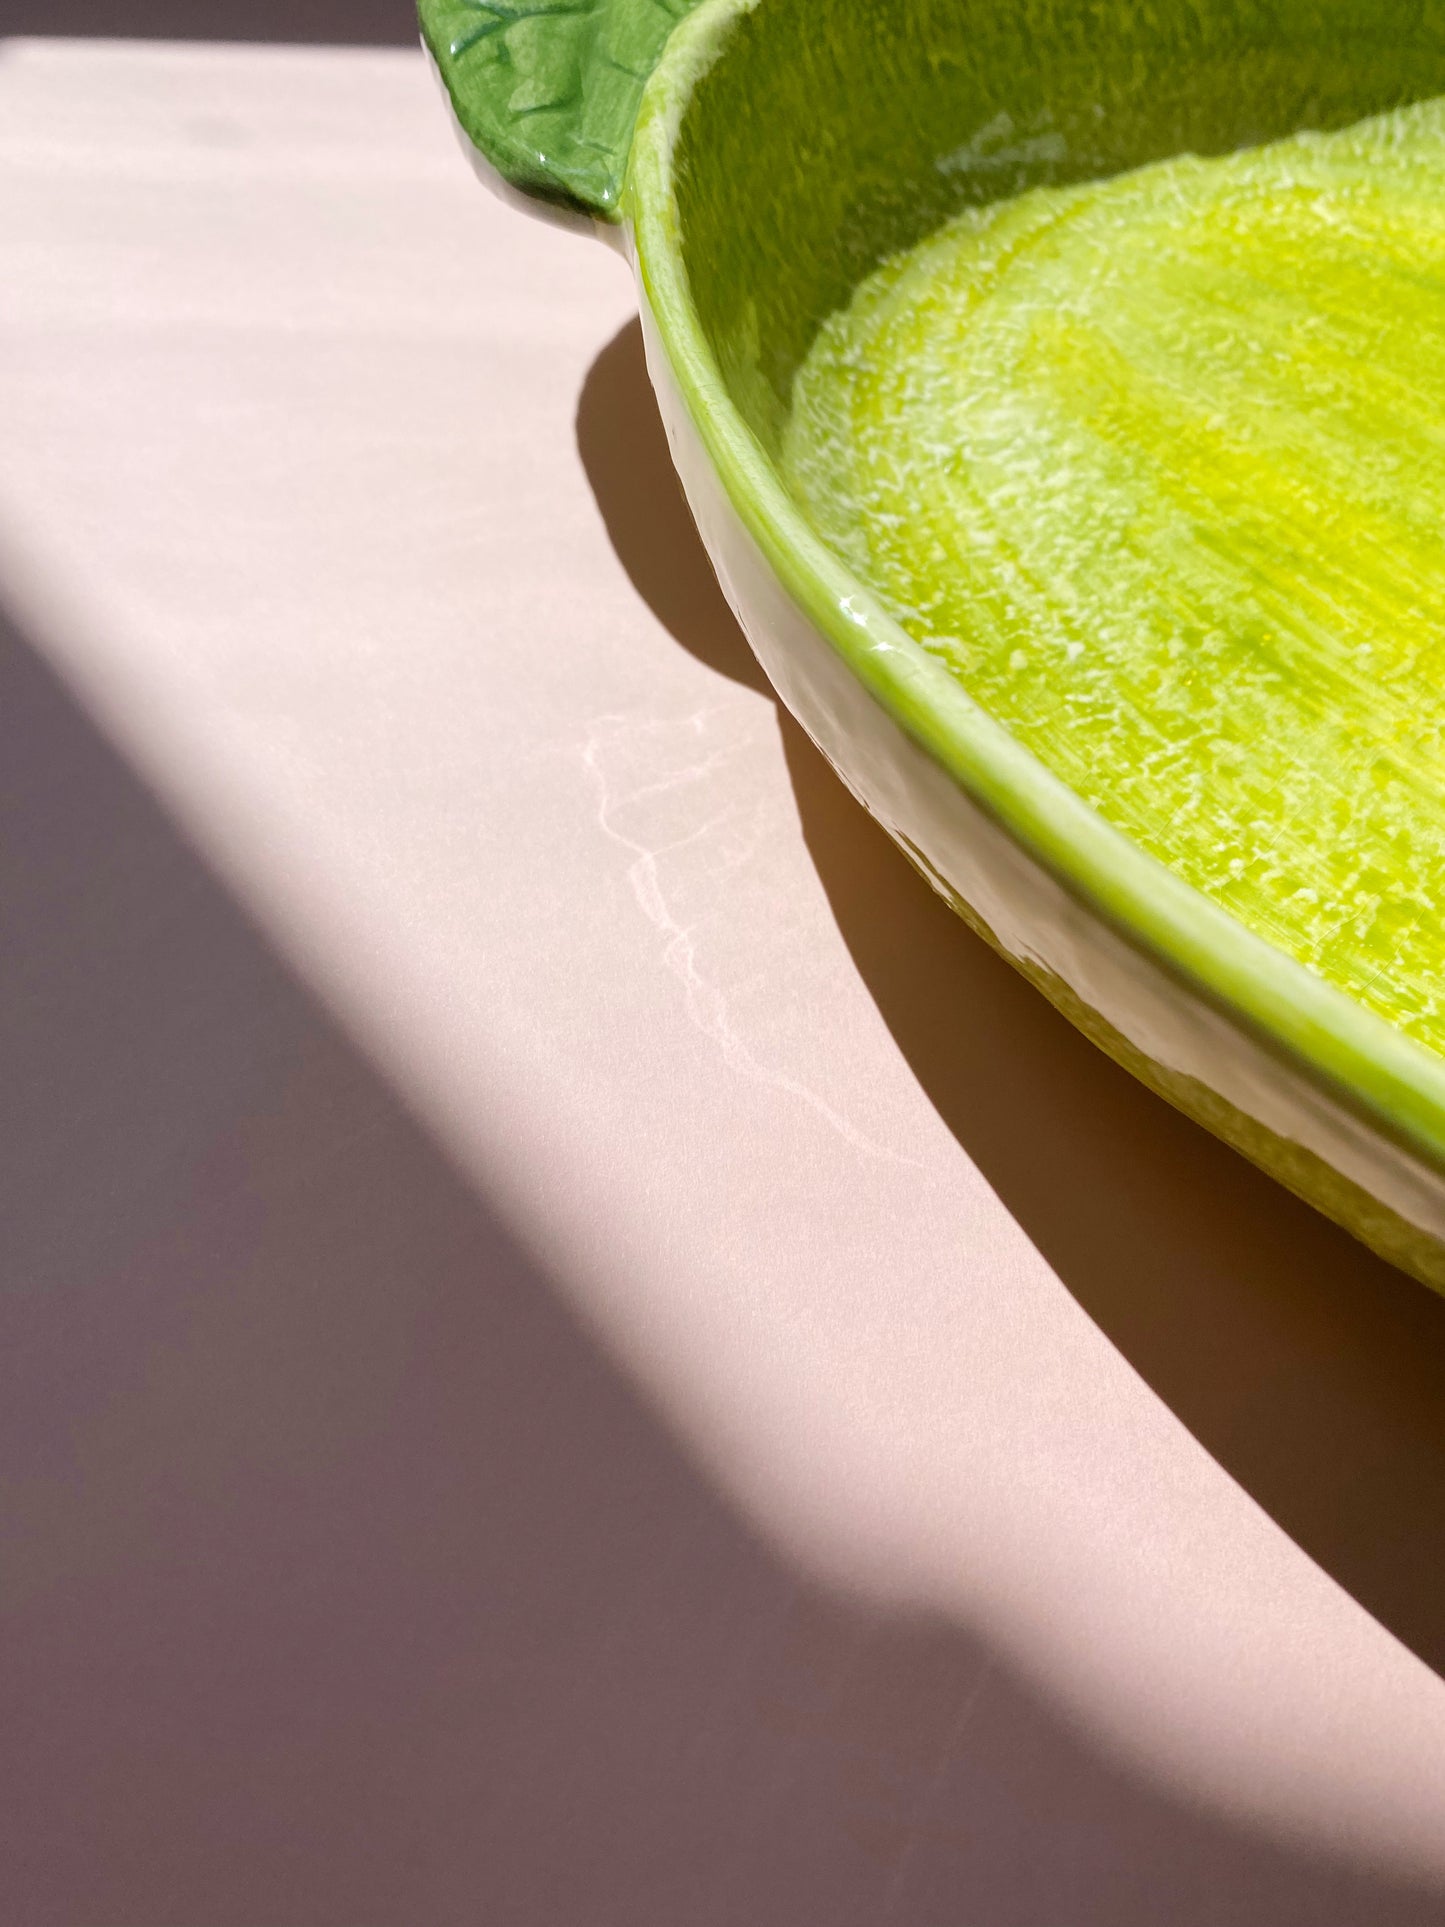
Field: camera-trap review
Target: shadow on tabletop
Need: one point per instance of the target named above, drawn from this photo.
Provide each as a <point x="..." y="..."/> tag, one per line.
<point x="363" y="23"/>
<point x="346" y="1582"/>
<point x="1312" y="1372"/>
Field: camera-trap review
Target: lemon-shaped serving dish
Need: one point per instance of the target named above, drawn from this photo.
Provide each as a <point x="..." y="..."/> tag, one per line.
<point x="1059" y="390"/>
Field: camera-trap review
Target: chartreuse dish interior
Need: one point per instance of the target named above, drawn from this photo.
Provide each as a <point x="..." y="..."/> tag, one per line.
<point x="1156" y="466"/>
<point x="1060" y="388"/>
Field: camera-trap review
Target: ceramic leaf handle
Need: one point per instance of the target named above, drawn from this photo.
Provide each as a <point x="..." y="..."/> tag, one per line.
<point x="548" y="90"/>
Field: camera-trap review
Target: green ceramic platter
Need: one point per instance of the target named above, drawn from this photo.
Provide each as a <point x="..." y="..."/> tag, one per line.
<point x="1055" y="388"/>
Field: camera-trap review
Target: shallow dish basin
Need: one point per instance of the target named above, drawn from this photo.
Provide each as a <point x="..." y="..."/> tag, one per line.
<point x="1060" y="393"/>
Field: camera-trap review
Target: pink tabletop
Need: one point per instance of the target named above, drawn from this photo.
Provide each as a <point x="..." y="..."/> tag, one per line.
<point x="576" y="1353"/>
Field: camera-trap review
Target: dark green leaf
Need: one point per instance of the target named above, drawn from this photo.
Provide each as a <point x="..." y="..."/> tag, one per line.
<point x="548" y="90"/>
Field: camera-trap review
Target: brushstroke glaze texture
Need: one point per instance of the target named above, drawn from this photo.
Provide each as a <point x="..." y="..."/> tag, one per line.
<point x="1156" y="465"/>
<point x="784" y="150"/>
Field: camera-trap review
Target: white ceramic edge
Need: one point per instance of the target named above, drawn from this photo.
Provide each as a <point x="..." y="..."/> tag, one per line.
<point x="1034" y="918"/>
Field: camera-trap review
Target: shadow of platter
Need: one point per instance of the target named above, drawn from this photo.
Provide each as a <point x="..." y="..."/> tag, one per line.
<point x="1310" y="1370"/>
<point x="347" y="1582"/>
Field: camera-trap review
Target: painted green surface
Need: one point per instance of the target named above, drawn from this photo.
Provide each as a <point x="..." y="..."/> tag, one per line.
<point x="1156" y="466"/>
<point x="785" y="149"/>
<point x="548" y="90"/>
<point x="830" y="134"/>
